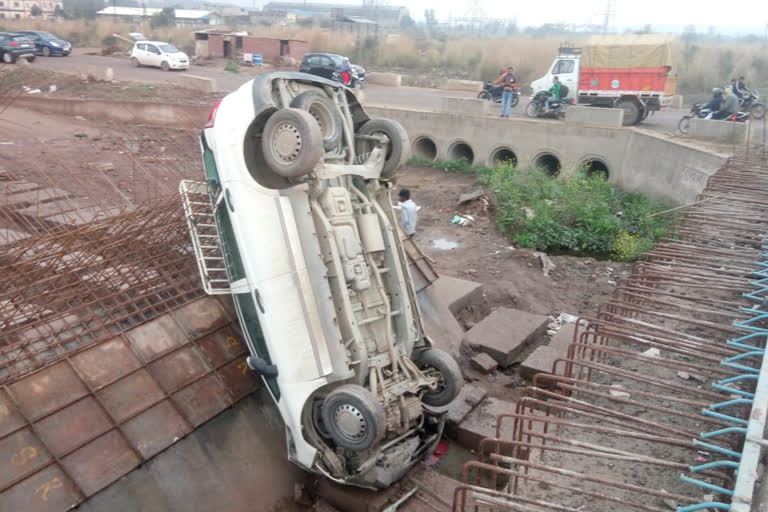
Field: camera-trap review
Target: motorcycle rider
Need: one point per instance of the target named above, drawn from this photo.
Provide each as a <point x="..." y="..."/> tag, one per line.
<point x="508" y="79"/>
<point x="728" y="107"/>
<point x="553" y="94"/>
<point x="741" y="88"/>
<point x="734" y="89"/>
<point x="346" y="71"/>
<point x="715" y="102"/>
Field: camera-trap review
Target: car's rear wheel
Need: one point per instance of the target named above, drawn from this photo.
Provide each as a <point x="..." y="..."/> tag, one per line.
<point x="292" y="142"/>
<point x="135" y="62"/>
<point x="353" y="417"/>
<point x="46" y="51"/>
<point x="7" y="58"/>
<point x="31" y="59"/>
<point x="325" y="113"/>
<point x="165" y="66"/>
<point x="435" y="362"/>
<point x="398" y="149"/>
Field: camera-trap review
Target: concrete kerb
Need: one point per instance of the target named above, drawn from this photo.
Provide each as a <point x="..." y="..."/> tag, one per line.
<point x="461" y="85"/>
<point x="726" y="132"/>
<point x="390" y="79"/>
<point x="198" y="83"/>
<point x="593" y="116"/>
<point x="464" y="105"/>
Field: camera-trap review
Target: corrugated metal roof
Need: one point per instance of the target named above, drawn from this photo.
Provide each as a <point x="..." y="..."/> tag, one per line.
<point x="151" y="11"/>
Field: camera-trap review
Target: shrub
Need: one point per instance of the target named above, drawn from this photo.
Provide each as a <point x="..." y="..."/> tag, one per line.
<point x="627" y="247"/>
<point x="232" y="67"/>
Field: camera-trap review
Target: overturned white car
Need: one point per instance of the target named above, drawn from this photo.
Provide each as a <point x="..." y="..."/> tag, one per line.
<point x="299" y="177"/>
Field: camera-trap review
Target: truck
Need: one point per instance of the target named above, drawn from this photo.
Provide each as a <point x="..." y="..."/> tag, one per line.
<point x="630" y="72"/>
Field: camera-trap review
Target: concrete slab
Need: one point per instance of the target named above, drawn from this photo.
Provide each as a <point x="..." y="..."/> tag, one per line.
<point x="505" y="333"/>
<point x="439" y="323"/>
<point x="453" y="84"/>
<point x="200" y="317"/>
<point x="481" y="423"/>
<point x="594" y="116"/>
<point x="435" y="488"/>
<point x="54" y="207"/>
<point x="484" y="362"/>
<point x="468" y="398"/>
<point x="726" y="132"/>
<point x="464" y="105"/>
<point x="34" y="196"/>
<point x="541" y="360"/>
<point x="457" y="293"/>
<point x="390" y="79"/>
<point x="197" y="83"/>
<point x="84" y="215"/>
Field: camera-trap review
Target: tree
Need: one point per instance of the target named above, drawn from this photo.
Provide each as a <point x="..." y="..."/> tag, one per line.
<point x="164" y="18"/>
<point x="35" y="11"/>
<point x="689" y="48"/>
<point x="725" y="64"/>
<point x="406" y="22"/>
<point x="59" y="12"/>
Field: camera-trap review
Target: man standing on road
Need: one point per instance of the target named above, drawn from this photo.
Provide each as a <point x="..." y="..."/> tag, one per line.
<point x="509" y="80"/>
<point x="409" y="212"/>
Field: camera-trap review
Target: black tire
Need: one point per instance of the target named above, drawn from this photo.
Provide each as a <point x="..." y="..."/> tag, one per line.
<point x="484" y="95"/>
<point x="757" y="111"/>
<point x="684" y="124"/>
<point x="398" y="150"/>
<point x="450" y="380"/>
<point x="632" y="114"/>
<point x="325" y="113"/>
<point x="292" y="142"/>
<point x="31" y="59"/>
<point x="515" y="100"/>
<point x="353" y="417"/>
<point x="46" y="51"/>
<point x="532" y="110"/>
<point x="135" y="62"/>
<point x="8" y="58"/>
<point x="165" y="66"/>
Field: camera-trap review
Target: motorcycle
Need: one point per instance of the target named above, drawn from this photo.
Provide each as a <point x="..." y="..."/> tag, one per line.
<point x="751" y="104"/>
<point x="493" y="93"/>
<point x="537" y="106"/>
<point x="698" y="111"/>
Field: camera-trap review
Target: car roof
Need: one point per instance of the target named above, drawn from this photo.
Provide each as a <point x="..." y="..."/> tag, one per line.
<point x="152" y="42"/>
<point x="324" y="53"/>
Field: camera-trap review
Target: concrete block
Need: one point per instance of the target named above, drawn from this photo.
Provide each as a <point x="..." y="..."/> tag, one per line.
<point x="676" y="101"/>
<point x="464" y="105"/>
<point x="435" y="487"/>
<point x="461" y="85"/>
<point x="484" y="362"/>
<point x="197" y="83"/>
<point x="390" y="79"/>
<point x="726" y="132"/>
<point x="541" y="359"/>
<point x="505" y="333"/>
<point x="595" y="116"/>
<point x="459" y="409"/>
<point x="438" y="321"/>
<point x="457" y="293"/>
<point x="481" y="423"/>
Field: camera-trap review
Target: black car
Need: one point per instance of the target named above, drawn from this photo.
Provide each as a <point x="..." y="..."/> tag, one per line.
<point x="48" y="44"/>
<point x="14" y="46"/>
<point x="330" y="66"/>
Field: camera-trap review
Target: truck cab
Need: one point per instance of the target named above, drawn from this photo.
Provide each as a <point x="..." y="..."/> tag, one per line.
<point x="566" y="68"/>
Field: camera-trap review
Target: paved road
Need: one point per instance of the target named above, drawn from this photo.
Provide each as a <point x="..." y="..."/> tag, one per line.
<point x="406" y="97"/>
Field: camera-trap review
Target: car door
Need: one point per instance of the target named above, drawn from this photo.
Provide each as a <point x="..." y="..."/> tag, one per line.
<point x="315" y="65"/>
<point x="327" y="67"/>
<point x="565" y="70"/>
<point x="306" y="64"/>
<point x="153" y="55"/>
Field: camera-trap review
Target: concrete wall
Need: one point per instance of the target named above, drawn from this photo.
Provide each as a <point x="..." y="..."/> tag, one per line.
<point x="389" y="79"/>
<point x="726" y="132"/>
<point x="461" y="85"/>
<point x="608" y="117"/>
<point x="464" y="105"/>
<point x="637" y="161"/>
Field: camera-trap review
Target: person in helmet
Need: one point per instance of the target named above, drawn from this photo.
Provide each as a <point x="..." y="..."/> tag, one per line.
<point x="346" y="71"/>
<point x="728" y="107"/>
<point x="716" y="101"/>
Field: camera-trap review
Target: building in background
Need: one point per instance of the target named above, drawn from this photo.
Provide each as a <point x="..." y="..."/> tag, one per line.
<point x="217" y="43"/>
<point x="19" y="9"/>
<point x="388" y="16"/>
<point x="183" y="17"/>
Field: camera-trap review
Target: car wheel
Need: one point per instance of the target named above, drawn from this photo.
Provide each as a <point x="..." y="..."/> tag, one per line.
<point x="398" y="150"/>
<point x="353" y="417"/>
<point x="325" y="113"/>
<point x="7" y="58"/>
<point x="46" y="51"/>
<point x="135" y="62"/>
<point x="292" y="142"/>
<point x="164" y="65"/>
<point x="433" y="361"/>
<point x="31" y="59"/>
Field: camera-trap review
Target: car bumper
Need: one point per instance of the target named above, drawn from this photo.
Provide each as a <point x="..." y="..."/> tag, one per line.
<point x="179" y="65"/>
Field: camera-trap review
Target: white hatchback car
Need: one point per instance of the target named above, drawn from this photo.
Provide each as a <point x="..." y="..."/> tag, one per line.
<point x="159" y="55"/>
<point x="299" y="178"/>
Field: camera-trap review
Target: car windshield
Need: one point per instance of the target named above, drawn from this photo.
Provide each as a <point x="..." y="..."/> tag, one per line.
<point x="46" y="36"/>
<point x="168" y="48"/>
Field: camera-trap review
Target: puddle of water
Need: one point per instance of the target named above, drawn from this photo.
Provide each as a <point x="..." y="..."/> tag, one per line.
<point x="444" y="244"/>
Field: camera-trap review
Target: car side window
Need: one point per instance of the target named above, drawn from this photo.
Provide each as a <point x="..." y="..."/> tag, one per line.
<point x="153" y="49"/>
<point x="314" y="60"/>
<point x="141" y="47"/>
<point x="326" y="62"/>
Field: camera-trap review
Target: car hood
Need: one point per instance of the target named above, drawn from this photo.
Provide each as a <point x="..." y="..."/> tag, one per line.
<point x="59" y="42"/>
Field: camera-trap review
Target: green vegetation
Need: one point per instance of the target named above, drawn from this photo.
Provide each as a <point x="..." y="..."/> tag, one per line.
<point x="232" y="67"/>
<point x="573" y="212"/>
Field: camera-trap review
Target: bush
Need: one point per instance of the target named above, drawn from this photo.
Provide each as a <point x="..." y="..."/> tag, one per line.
<point x="232" y="67"/>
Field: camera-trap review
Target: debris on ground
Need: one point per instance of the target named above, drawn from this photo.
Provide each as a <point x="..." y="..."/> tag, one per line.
<point x="463" y="220"/>
<point x="546" y="264"/>
<point x="484" y="362"/>
<point x="475" y="193"/>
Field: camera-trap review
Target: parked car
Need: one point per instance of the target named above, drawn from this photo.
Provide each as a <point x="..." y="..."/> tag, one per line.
<point x="48" y="44"/>
<point x="329" y="65"/>
<point x="158" y="54"/>
<point x="300" y="179"/>
<point x="14" y="46"/>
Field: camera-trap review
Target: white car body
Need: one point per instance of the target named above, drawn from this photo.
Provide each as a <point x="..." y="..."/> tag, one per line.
<point x="289" y="298"/>
<point x="155" y="53"/>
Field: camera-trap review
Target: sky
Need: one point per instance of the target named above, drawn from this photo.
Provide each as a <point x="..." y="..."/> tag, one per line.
<point x="746" y="16"/>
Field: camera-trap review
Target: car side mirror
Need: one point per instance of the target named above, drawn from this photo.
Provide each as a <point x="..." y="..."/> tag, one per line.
<point x="260" y="366"/>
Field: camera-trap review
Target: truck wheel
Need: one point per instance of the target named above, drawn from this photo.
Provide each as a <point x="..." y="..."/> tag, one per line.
<point x="631" y="112"/>
<point x="433" y="361"/>
<point x="398" y="150"/>
<point x="532" y="110"/>
<point x="757" y="111"/>
<point x="292" y="142"/>
<point x="325" y="113"/>
<point x="684" y="124"/>
<point x="353" y="417"/>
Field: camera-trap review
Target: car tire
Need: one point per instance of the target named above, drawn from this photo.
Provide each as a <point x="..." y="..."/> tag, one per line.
<point x="31" y="59"/>
<point x="46" y="51"/>
<point x="292" y="142"/>
<point x="450" y="380"/>
<point x="353" y="417"/>
<point x="135" y="62"/>
<point x="399" y="150"/>
<point x="325" y="113"/>
<point x="8" y="58"/>
<point x="165" y="66"/>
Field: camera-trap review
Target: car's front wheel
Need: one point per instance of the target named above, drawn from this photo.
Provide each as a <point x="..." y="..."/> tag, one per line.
<point x="398" y="150"/>
<point x="135" y="62"/>
<point x="440" y="364"/>
<point x="46" y="51"/>
<point x="292" y="142"/>
<point x="165" y="66"/>
<point x="353" y="418"/>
